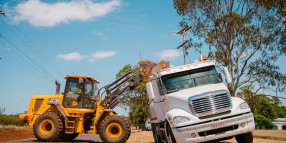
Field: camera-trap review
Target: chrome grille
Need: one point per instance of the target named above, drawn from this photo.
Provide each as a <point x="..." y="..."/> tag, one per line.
<point x="211" y="103"/>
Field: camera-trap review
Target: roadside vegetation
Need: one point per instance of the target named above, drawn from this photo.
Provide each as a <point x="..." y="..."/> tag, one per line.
<point x="11" y="120"/>
<point x="265" y="108"/>
<point x="135" y="101"/>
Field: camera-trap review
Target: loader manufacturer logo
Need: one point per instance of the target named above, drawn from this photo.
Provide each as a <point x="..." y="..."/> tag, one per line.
<point x="53" y="101"/>
<point x="124" y="86"/>
<point x="74" y="103"/>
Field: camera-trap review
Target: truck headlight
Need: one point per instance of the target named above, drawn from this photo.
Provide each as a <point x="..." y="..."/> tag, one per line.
<point x="243" y="106"/>
<point x="179" y="120"/>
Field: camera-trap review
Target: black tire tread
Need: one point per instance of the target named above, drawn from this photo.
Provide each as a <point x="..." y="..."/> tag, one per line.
<point x="156" y="137"/>
<point x="59" y="131"/>
<point x="244" y="138"/>
<point x="124" y="123"/>
<point x="69" y="137"/>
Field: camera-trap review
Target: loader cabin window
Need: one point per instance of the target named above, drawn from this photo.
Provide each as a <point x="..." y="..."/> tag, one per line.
<point x="191" y="78"/>
<point x="79" y="92"/>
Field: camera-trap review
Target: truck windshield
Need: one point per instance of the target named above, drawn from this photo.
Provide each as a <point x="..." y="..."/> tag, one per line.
<point x="191" y="78"/>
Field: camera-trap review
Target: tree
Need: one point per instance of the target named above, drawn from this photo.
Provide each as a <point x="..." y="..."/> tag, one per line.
<point x="135" y="100"/>
<point x="246" y="36"/>
<point x="266" y="108"/>
<point x="2" y="110"/>
<point x="261" y="104"/>
<point x="262" y="121"/>
<point x="250" y="97"/>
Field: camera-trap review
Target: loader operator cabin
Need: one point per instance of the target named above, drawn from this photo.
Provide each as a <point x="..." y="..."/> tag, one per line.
<point x="188" y="103"/>
<point x="75" y="90"/>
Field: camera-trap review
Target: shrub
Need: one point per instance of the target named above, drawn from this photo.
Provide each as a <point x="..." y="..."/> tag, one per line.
<point x="11" y="120"/>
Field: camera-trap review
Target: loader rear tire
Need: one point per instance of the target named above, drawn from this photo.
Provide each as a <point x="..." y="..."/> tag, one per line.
<point x="48" y="127"/>
<point x="114" y="129"/>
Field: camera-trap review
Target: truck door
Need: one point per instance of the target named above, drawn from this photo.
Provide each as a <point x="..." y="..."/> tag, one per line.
<point x="73" y="93"/>
<point x="156" y="108"/>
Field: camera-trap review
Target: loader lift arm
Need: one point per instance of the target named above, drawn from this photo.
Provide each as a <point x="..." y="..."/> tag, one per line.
<point x="127" y="81"/>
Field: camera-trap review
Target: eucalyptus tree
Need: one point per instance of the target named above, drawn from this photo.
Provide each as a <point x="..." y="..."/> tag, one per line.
<point x="246" y="36"/>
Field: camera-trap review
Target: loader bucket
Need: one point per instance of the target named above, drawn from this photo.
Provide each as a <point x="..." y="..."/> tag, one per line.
<point x="147" y="68"/>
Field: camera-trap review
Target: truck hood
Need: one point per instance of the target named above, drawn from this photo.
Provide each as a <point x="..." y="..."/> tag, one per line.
<point x="179" y="99"/>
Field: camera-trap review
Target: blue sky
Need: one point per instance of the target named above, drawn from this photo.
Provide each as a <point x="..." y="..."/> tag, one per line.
<point x="42" y="41"/>
<point x="95" y="38"/>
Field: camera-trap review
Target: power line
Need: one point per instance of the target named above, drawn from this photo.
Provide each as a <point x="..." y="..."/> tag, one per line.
<point x="27" y="57"/>
<point x="29" y="43"/>
<point x="32" y="73"/>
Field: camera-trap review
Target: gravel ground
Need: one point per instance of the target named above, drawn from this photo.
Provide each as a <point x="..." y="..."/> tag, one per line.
<point x="147" y="137"/>
<point x="26" y="135"/>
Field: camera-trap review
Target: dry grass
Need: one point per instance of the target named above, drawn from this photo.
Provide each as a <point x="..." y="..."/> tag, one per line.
<point x="141" y="137"/>
<point x="270" y="134"/>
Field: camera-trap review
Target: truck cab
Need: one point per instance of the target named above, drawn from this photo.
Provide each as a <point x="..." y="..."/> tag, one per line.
<point x="190" y="103"/>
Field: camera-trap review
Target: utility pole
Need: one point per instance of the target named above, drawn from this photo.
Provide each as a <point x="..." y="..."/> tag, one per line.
<point x="1" y="12"/>
<point x="183" y="33"/>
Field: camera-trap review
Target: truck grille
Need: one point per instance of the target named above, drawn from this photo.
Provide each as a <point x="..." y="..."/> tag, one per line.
<point x="210" y="103"/>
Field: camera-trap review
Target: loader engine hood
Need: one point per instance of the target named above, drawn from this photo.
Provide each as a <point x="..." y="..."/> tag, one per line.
<point x="201" y="100"/>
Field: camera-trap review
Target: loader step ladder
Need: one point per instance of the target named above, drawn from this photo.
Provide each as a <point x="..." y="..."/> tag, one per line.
<point x="70" y="125"/>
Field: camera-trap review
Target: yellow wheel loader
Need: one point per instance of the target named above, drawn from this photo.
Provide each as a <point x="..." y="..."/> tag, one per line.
<point x="81" y="108"/>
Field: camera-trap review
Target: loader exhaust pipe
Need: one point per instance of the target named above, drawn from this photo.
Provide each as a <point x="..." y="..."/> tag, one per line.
<point x="58" y="87"/>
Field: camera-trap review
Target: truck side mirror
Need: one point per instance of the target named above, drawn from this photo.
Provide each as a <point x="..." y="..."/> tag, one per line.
<point x="150" y="90"/>
<point x="227" y="75"/>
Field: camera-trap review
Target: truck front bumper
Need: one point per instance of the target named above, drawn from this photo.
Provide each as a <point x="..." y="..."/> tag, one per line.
<point x="215" y="129"/>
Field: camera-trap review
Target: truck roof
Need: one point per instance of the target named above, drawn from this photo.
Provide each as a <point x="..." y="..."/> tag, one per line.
<point x="182" y="68"/>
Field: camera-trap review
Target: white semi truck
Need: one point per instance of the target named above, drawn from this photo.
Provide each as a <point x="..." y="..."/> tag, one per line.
<point x="190" y="103"/>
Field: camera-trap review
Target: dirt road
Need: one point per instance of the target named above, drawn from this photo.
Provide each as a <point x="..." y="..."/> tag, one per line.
<point x="26" y="135"/>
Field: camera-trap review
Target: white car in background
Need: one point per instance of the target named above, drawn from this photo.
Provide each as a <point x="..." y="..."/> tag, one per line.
<point x="148" y="125"/>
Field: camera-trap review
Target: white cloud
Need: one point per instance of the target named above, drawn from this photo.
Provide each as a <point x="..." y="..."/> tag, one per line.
<point x="99" y="34"/>
<point x="102" y="55"/>
<point x="75" y="56"/>
<point x="72" y="56"/>
<point x="47" y="15"/>
<point x="169" y="54"/>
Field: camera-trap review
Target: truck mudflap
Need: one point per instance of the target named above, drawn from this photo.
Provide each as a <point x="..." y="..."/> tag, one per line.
<point x="213" y="130"/>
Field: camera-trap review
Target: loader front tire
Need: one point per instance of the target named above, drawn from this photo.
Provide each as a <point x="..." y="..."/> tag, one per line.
<point x="48" y="127"/>
<point x="114" y="129"/>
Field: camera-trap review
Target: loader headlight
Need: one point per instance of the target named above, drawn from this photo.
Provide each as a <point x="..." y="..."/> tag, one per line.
<point x="243" y="106"/>
<point x="179" y="120"/>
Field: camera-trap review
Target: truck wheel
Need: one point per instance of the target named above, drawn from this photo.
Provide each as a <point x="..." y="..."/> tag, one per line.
<point x="48" y="127"/>
<point x="156" y="136"/>
<point x="244" y="138"/>
<point x="114" y="129"/>
<point x="69" y="137"/>
<point x="169" y="134"/>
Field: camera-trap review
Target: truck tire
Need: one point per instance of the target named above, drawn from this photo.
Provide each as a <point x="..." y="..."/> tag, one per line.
<point x="48" y="127"/>
<point x="69" y="137"/>
<point x="169" y="134"/>
<point x="156" y="135"/>
<point x="114" y="129"/>
<point x="244" y="138"/>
